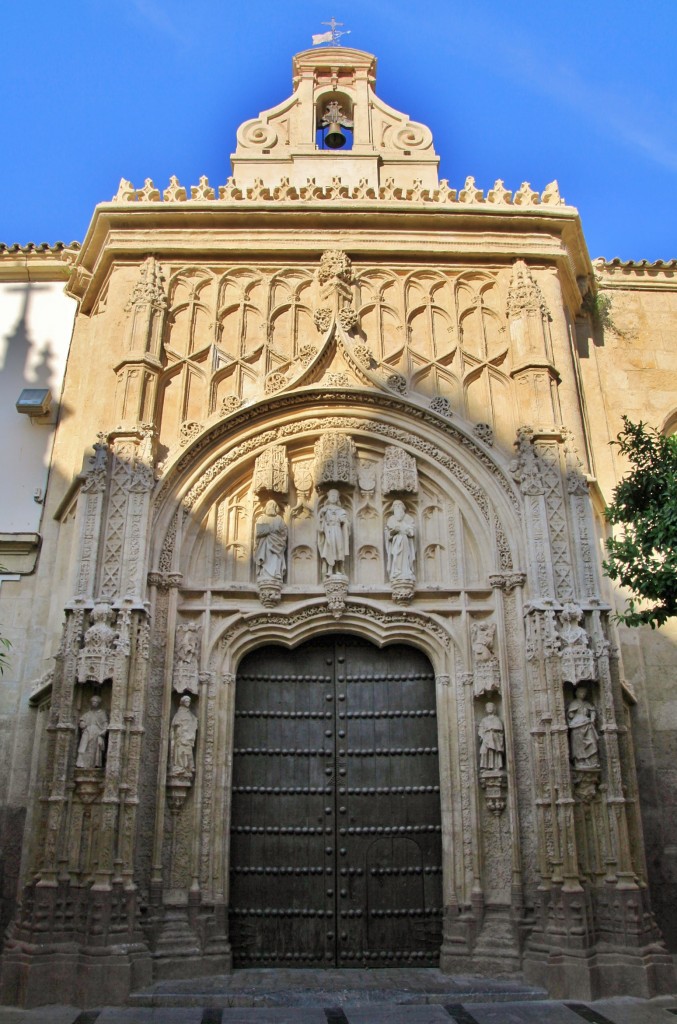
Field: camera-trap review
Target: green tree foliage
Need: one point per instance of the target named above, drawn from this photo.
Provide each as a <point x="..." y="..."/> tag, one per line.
<point x="4" y="643"/>
<point x="643" y="557"/>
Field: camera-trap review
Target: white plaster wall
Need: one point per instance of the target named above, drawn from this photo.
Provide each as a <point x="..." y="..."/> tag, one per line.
<point x="36" y="322"/>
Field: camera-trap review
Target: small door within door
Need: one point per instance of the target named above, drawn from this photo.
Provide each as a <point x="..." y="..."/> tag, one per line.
<point x="335" y="828"/>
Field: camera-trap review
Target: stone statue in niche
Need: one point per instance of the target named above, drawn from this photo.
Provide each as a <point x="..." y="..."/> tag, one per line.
<point x="186" y="657"/>
<point x="400" y="533"/>
<point x="94" y="726"/>
<point x="333" y="535"/>
<point x="183" y="733"/>
<point x="492" y="740"/>
<point x="493" y="778"/>
<point x="96" y="659"/>
<point x="578" y="661"/>
<point x="270" y="554"/>
<point x="486" y="674"/>
<point x="582" y="722"/>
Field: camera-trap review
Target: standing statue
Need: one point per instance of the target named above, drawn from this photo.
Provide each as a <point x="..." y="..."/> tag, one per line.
<point x="333" y="534"/>
<point x="582" y="718"/>
<point x="94" y="725"/>
<point x="492" y="740"/>
<point x="183" y="732"/>
<point x="271" y="545"/>
<point x="400" y="531"/>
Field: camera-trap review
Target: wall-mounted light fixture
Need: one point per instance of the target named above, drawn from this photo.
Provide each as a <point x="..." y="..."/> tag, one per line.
<point x="34" y="401"/>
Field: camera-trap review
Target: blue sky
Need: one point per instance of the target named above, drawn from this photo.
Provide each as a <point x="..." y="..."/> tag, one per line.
<point x="96" y="90"/>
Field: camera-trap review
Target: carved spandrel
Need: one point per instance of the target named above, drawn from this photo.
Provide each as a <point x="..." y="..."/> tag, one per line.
<point x="334" y="459"/>
<point x="271" y="471"/>
<point x="400" y="474"/>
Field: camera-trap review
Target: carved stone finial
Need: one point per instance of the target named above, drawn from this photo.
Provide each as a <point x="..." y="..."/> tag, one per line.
<point x="499" y="193"/>
<point x="203" y="190"/>
<point x="149" y="193"/>
<point x="551" y="196"/>
<point x="525" y="195"/>
<point x="399" y="471"/>
<point x="524" y="295"/>
<point x="175" y="193"/>
<point x="95" y="477"/>
<point x="126" y="192"/>
<point x="469" y="193"/>
<point x="576" y="480"/>
<point x="150" y="287"/>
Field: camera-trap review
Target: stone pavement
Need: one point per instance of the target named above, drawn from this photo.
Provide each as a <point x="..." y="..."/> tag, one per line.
<point x="351" y="997"/>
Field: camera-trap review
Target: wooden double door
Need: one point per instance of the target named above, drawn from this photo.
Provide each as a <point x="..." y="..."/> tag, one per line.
<point x="335" y="826"/>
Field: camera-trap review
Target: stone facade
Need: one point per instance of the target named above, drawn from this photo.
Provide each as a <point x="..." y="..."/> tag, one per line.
<point x="336" y="396"/>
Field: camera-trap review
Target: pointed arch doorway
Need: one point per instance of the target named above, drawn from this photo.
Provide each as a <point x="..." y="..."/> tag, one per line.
<point x="335" y="823"/>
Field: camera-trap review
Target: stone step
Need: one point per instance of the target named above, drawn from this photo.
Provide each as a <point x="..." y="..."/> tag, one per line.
<point x="269" y="987"/>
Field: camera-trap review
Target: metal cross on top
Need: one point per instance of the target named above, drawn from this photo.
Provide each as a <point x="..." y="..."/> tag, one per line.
<point x="333" y="36"/>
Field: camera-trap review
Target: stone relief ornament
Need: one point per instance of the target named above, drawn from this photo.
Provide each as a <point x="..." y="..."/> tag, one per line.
<point x="348" y="318"/>
<point x="493" y="779"/>
<point x="186" y="655"/>
<point x="486" y="672"/>
<point x="303" y="482"/>
<point x="578" y="662"/>
<point x="95" y="477"/>
<point x="270" y="554"/>
<point x="188" y="431"/>
<point x="333" y="537"/>
<point x="97" y="657"/>
<point x="399" y="471"/>
<point x="229" y="404"/>
<point x="93" y="728"/>
<point x="396" y="382"/>
<point x="322" y="319"/>
<point x="336" y="589"/>
<point x="524" y="295"/>
<point x="400" y="533"/>
<point x="271" y="471"/>
<point x="440" y="405"/>
<point x="526" y="468"/>
<point x="483" y="432"/>
<point x="334" y="459"/>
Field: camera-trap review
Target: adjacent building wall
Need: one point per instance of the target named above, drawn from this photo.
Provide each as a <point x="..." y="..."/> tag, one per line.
<point x="629" y="367"/>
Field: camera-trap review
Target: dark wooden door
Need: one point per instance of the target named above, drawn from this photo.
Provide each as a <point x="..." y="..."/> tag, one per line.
<point x="335" y="828"/>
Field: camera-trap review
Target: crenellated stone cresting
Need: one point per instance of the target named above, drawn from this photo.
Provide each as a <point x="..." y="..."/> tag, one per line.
<point x="286" y="191"/>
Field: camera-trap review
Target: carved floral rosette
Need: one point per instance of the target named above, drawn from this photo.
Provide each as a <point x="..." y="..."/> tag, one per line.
<point x="336" y="589"/>
<point x="495" y="785"/>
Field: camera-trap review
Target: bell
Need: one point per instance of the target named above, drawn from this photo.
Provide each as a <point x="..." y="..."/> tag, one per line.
<point x="334" y="138"/>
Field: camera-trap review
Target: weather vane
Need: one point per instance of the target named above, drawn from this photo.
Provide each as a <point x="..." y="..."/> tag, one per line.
<point x="333" y="36"/>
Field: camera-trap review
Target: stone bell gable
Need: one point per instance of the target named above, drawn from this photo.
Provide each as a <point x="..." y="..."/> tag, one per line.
<point x="335" y="608"/>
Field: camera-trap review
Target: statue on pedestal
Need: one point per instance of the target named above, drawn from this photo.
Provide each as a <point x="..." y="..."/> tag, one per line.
<point x="333" y="535"/>
<point x="94" y="725"/>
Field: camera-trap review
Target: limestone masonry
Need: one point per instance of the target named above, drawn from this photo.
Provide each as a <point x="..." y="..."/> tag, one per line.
<point x="312" y="656"/>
